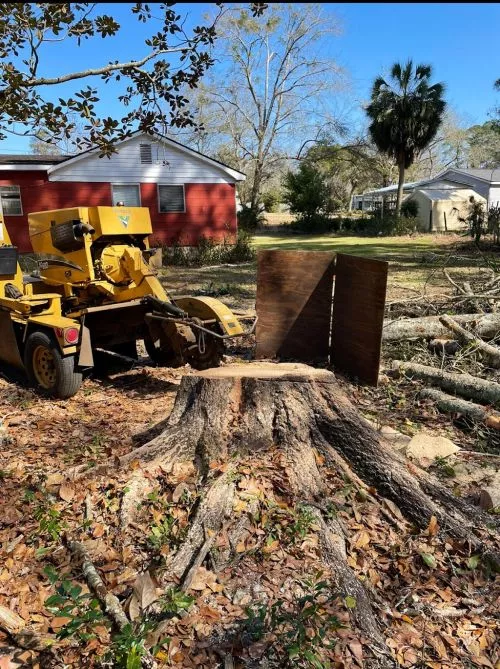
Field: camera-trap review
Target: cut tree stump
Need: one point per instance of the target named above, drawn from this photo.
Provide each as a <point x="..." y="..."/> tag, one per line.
<point x="301" y="413"/>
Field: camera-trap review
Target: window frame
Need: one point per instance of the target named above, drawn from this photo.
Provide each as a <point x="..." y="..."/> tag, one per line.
<point x="127" y="183"/>
<point x="20" y="199"/>
<point x="146" y="162"/>
<point x="183" y="186"/>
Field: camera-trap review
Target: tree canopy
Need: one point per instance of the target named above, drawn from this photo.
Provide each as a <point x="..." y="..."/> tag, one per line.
<point x="271" y="93"/>
<point x="405" y="114"/>
<point x="170" y="60"/>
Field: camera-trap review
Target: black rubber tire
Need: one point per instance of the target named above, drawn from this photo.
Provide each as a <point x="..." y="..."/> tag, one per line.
<point x="67" y="381"/>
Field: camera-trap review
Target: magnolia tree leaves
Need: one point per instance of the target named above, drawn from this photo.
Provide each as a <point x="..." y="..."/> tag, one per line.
<point x="175" y="59"/>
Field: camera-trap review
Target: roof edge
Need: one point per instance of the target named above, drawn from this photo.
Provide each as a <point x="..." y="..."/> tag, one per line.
<point x="235" y="174"/>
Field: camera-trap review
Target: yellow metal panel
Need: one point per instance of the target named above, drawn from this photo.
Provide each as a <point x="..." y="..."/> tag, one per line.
<point x="17" y="278"/>
<point x="207" y="308"/>
<point x="9" y="350"/>
<point x="120" y="221"/>
<point x="40" y="225"/>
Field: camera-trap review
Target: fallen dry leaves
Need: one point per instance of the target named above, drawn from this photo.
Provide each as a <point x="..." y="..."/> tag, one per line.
<point x="276" y="551"/>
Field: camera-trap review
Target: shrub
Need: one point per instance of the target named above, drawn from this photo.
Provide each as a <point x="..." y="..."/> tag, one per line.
<point x="390" y="224"/>
<point x="317" y="224"/>
<point x="475" y="219"/>
<point x="271" y="200"/>
<point x="209" y="252"/>
<point x="409" y="209"/>
<point x="250" y="218"/>
<point x="308" y="196"/>
<point x="494" y="223"/>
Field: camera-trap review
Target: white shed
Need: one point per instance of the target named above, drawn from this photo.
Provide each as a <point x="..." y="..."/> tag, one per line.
<point x="439" y="209"/>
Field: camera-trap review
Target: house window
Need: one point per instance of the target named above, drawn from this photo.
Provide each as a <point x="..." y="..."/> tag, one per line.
<point x="171" y="199"/>
<point x="129" y="194"/>
<point x="146" y="153"/>
<point x="11" y="200"/>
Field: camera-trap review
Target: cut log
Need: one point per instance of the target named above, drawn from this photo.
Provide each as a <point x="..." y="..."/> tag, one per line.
<point x="484" y="325"/>
<point x="477" y="412"/>
<point x="491" y="353"/>
<point x="471" y="387"/>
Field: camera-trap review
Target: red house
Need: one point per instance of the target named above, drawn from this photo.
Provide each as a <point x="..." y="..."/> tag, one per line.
<point x="188" y="193"/>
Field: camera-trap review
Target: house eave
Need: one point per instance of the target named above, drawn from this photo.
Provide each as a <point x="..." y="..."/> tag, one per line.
<point x="237" y="176"/>
<point x="26" y="167"/>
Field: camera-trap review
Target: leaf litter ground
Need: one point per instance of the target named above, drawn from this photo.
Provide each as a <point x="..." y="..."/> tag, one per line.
<point x="436" y="603"/>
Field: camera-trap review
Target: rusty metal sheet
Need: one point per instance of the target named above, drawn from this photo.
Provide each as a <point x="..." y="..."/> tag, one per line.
<point x="294" y="300"/>
<point x="358" y="316"/>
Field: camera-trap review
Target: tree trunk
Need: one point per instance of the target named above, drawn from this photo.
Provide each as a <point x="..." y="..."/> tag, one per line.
<point x="294" y="420"/>
<point x="484" y="325"/>
<point x="401" y="181"/>
<point x="454" y="404"/>
<point x="256" y="185"/>
<point x="466" y="385"/>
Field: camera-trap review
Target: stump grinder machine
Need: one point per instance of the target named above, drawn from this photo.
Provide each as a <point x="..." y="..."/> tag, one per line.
<point x="94" y="289"/>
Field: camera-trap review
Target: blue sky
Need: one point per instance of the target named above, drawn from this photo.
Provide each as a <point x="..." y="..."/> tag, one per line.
<point x="460" y="41"/>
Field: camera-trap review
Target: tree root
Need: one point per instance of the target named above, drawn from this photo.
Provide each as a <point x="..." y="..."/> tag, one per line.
<point x="239" y="413"/>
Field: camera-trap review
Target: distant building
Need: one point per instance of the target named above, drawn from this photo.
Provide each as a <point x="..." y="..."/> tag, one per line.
<point x="188" y="194"/>
<point x="442" y="200"/>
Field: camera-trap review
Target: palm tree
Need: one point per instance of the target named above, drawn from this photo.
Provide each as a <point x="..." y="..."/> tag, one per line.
<point x="405" y="115"/>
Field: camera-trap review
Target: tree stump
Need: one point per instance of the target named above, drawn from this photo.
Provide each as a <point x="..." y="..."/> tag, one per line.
<point x="250" y="410"/>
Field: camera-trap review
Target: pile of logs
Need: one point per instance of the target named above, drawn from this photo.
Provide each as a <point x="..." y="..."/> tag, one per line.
<point x="447" y="335"/>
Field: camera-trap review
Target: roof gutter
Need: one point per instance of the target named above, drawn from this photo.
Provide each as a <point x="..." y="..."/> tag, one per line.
<point x="26" y="167"/>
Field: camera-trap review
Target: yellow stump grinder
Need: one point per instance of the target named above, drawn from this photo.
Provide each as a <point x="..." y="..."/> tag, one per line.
<point x="95" y="289"/>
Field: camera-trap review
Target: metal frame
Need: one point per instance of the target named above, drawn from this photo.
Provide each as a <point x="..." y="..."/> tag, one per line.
<point x="183" y="186"/>
<point x="125" y="183"/>
<point x="198" y="326"/>
<point x="20" y="200"/>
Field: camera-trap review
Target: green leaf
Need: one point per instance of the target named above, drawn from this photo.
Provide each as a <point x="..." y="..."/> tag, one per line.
<point x="41" y="552"/>
<point x="473" y="561"/>
<point x="51" y="573"/>
<point x="293" y="651"/>
<point x="313" y="659"/>
<point x="350" y="602"/>
<point x="429" y="560"/>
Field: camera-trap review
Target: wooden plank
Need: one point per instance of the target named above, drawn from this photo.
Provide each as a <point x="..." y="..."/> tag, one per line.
<point x="358" y="316"/>
<point x="294" y="298"/>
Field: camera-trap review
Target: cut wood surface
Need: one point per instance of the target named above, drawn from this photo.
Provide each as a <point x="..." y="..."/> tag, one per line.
<point x="491" y="353"/>
<point x="484" y="325"/>
<point x="451" y="403"/>
<point x="466" y="385"/>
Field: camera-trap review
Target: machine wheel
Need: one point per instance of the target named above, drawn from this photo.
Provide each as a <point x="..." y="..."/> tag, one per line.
<point x="48" y="370"/>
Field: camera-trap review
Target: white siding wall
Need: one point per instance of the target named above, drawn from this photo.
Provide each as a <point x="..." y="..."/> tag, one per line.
<point x="494" y="198"/>
<point x="126" y="167"/>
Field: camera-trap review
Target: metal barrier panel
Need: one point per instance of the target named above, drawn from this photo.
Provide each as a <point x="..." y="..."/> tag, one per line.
<point x="294" y="303"/>
<point x="358" y="316"/>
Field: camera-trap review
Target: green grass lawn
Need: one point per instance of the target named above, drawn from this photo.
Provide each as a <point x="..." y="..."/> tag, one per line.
<point x="412" y="264"/>
<point x="387" y="248"/>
